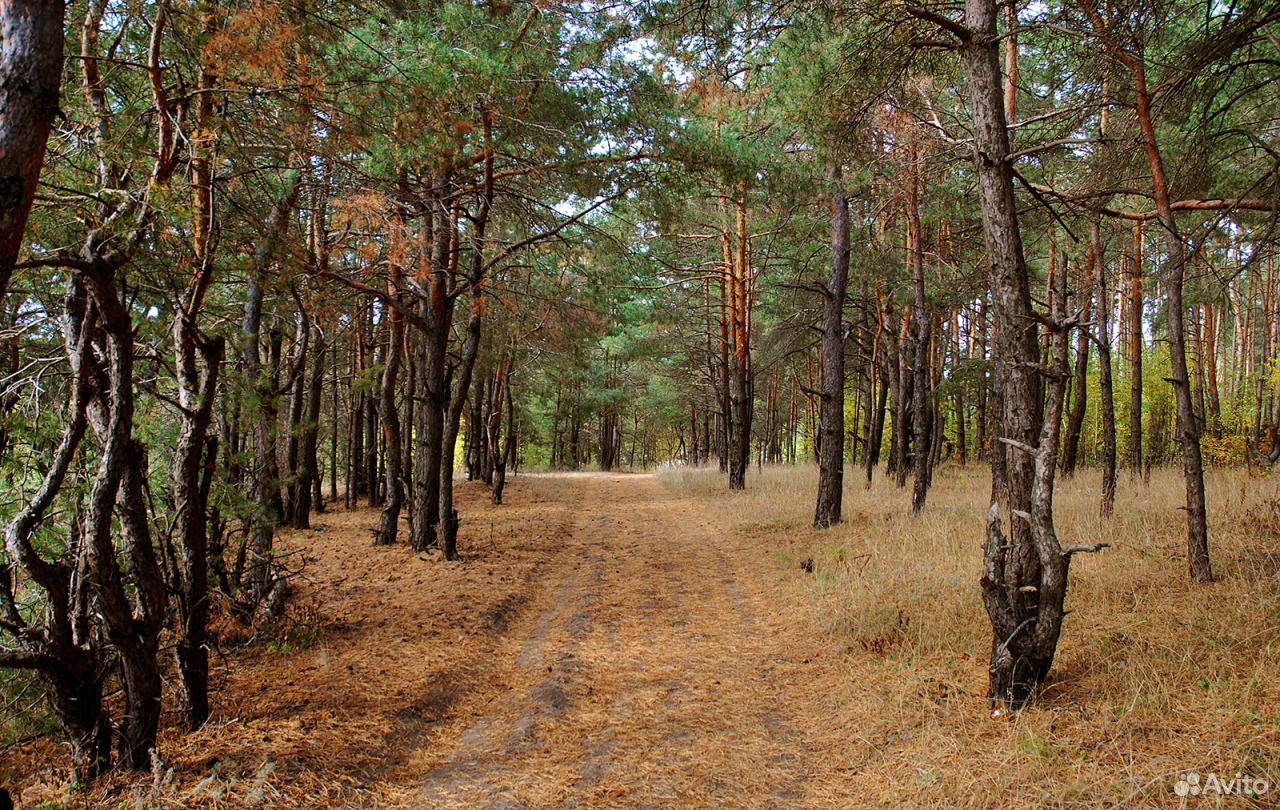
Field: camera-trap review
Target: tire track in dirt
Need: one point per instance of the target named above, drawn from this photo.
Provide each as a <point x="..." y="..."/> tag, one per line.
<point x="647" y="679"/>
<point x="483" y="762"/>
<point x="448" y="692"/>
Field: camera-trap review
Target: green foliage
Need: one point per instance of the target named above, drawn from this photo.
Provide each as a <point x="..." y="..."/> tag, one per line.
<point x="24" y="714"/>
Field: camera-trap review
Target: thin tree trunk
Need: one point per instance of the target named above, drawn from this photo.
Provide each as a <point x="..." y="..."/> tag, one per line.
<point x="1212" y="327"/>
<point x="389" y="521"/>
<point x="1175" y="270"/>
<point x="923" y="398"/>
<point x="1176" y="259"/>
<point x="333" y="430"/>
<point x="741" y="397"/>
<point x="297" y="397"/>
<point x="1135" y="355"/>
<point x="503" y="458"/>
<point x="904" y="427"/>
<point x="309" y="475"/>
<point x="831" y="415"/>
<point x="1106" y="388"/>
<point x="371" y="437"/>
<point x="1080" y="384"/>
<point x="266" y="484"/>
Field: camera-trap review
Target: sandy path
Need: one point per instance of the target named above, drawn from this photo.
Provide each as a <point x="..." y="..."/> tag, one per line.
<point x="646" y="675"/>
<point x="602" y="643"/>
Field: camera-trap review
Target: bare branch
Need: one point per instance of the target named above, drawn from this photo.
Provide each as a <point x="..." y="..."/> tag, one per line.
<point x="1084" y="548"/>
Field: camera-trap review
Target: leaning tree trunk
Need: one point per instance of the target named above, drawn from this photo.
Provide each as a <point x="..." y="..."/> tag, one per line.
<point x="132" y="622"/>
<point x="30" y="78"/>
<point x="66" y="657"/>
<point x="875" y="432"/>
<point x="831" y="404"/>
<point x="388" y="525"/>
<point x="1175" y="267"/>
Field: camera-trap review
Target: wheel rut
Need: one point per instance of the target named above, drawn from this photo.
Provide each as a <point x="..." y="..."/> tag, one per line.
<point x="642" y="676"/>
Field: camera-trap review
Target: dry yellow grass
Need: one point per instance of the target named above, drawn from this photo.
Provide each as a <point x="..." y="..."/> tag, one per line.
<point x="1154" y="676"/>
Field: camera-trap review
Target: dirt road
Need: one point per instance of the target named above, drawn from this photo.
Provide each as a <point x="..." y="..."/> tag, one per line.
<point x="601" y="643"/>
<point x="643" y="674"/>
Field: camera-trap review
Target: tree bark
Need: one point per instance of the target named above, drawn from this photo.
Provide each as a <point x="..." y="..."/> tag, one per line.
<point x="1175" y="271"/>
<point x="436" y="309"/>
<point x="923" y="399"/>
<point x="741" y="396"/>
<point x="309" y="476"/>
<point x="64" y="652"/>
<point x="194" y="463"/>
<point x="467" y="359"/>
<point x="266" y="490"/>
<point x="1135" y="355"/>
<point x="30" y="80"/>
<point x="389" y="522"/>
<point x="904" y="403"/>
<point x="503" y="458"/>
<point x="1024" y="579"/>
<point x="371" y="418"/>
<point x="880" y="364"/>
<point x="1106" y="388"/>
<point x="132" y="624"/>
<point x="1176" y="259"/>
<point x="297" y="409"/>
<point x="831" y="414"/>
<point x="1080" y="380"/>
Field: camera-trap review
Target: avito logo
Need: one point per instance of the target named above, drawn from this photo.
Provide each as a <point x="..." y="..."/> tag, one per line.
<point x="1192" y="783"/>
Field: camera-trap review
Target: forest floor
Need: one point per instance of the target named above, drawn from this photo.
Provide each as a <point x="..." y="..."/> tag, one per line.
<point x="619" y="640"/>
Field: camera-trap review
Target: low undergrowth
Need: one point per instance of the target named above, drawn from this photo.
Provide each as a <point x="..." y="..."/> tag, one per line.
<point x="1155" y="677"/>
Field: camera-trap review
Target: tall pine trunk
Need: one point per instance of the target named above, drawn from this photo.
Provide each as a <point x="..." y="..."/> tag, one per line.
<point x="923" y="399"/>
<point x="389" y="521"/>
<point x="1106" y="388"/>
<point x="831" y="414"/>
<point x="1024" y="578"/>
